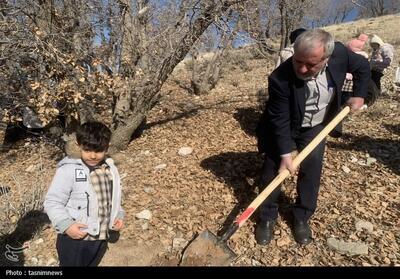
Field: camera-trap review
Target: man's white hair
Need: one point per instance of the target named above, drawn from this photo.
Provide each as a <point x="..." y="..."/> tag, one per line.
<point x="311" y="39"/>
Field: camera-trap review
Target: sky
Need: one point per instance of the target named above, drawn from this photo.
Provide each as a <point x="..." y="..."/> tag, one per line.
<point x="242" y="38"/>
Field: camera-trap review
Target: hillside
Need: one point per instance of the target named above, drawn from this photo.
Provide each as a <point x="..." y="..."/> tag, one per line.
<point x="359" y="201"/>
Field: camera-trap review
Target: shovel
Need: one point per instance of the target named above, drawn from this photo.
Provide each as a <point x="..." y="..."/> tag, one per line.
<point x="209" y="250"/>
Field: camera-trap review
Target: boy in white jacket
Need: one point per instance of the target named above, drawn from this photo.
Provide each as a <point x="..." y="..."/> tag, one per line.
<point x="84" y="199"/>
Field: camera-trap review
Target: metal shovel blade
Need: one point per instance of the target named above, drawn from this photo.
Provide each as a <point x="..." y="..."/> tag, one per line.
<point x="207" y="250"/>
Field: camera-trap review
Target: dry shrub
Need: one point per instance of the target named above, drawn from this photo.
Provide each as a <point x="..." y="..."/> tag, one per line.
<point x="13" y="209"/>
<point x="21" y="199"/>
<point x="238" y="59"/>
<point x="188" y="65"/>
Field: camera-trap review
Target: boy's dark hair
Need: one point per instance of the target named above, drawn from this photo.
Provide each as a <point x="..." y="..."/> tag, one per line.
<point x="295" y="33"/>
<point x="93" y="136"/>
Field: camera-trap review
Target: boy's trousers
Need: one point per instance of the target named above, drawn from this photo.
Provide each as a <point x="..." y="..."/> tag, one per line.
<point x="77" y="252"/>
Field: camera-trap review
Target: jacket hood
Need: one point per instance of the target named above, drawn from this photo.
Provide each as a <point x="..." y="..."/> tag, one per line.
<point x="70" y="161"/>
<point x="377" y="40"/>
<point x="79" y="162"/>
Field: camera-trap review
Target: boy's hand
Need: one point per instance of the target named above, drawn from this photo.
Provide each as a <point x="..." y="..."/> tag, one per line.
<point x="74" y="231"/>
<point x="118" y="224"/>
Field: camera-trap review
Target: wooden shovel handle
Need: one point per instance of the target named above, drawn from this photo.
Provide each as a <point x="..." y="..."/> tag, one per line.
<point x="296" y="162"/>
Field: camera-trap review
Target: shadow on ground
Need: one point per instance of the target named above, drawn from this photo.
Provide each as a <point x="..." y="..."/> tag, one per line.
<point x="239" y="171"/>
<point x="386" y="151"/>
<point x="393" y="128"/>
<point x="12" y="245"/>
<point x="248" y="119"/>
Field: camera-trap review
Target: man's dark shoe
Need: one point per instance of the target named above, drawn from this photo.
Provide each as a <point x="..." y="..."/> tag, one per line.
<point x="265" y="232"/>
<point x="302" y="232"/>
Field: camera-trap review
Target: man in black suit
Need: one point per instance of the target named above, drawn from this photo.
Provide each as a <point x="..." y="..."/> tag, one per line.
<point x="304" y="95"/>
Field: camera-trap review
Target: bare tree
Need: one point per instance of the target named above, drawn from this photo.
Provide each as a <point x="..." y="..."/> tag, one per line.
<point x="326" y="12"/>
<point x="46" y="44"/>
<point x="341" y="11"/>
<point x="52" y="50"/>
<point x="374" y="8"/>
<point x="260" y="20"/>
<point x="143" y="90"/>
<point x="292" y="15"/>
<point x="206" y="70"/>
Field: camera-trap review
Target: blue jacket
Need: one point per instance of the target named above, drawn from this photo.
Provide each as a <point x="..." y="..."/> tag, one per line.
<point x="71" y="197"/>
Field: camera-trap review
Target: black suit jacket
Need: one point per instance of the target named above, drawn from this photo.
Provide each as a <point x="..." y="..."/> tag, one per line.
<point x="284" y="112"/>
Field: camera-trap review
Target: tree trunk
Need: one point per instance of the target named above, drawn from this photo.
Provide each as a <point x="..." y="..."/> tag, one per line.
<point x="133" y="105"/>
<point x="130" y="114"/>
<point x="203" y="81"/>
<point x="282" y="10"/>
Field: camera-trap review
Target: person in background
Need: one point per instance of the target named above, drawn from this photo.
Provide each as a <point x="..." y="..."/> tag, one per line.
<point x="288" y="51"/>
<point x="397" y="76"/>
<point x="381" y="58"/>
<point x="357" y="46"/>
